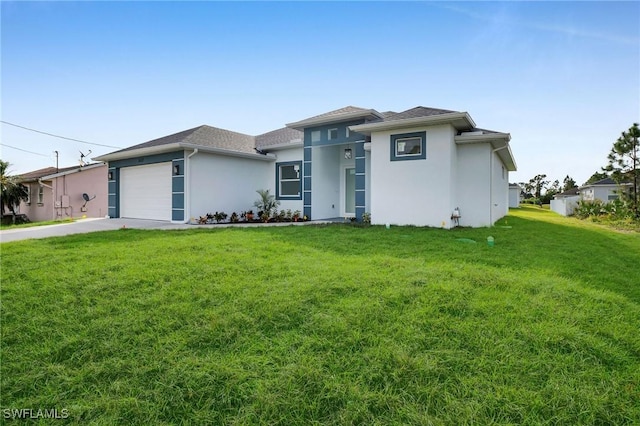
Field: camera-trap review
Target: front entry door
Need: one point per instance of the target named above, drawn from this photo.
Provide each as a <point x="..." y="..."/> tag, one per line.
<point x="349" y="191"/>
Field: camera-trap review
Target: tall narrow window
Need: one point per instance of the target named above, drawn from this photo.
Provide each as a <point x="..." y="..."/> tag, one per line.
<point x="289" y="180"/>
<point x="28" y="201"/>
<point x="41" y="195"/>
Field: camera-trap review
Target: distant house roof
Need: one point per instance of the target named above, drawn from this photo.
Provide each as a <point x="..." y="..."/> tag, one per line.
<point x="604" y="182"/>
<point x="568" y="193"/>
<point x="40" y="173"/>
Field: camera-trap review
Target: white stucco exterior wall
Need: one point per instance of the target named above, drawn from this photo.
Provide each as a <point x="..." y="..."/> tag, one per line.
<point x="224" y="183"/>
<point x="499" y="189"/>
<point x="472" y="187"/>
<point x="413" y="192"/>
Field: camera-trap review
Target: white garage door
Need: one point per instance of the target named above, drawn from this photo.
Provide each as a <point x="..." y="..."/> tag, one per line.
<point x="145" y="192"/>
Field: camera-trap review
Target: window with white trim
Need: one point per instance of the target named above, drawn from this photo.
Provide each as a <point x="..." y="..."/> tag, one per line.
<point x="289" y="180"/>
<point x="332" y="134"/>
<point x="41" y="195"/>
<point x="315" y="136"/>
<point x="28" y="200"/>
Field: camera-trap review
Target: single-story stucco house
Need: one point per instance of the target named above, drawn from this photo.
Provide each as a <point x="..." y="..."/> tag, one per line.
<point x="408" y="168"/>
<point x="58" y="193"/>
<point x="605" y="190"/>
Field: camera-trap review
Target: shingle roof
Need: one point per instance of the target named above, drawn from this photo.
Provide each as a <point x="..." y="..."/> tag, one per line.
<point x="204" y="136"/>
<point x="36" y="174"/>
<point x="278" y="137"/>
<point x="346" y="110"/>
<point x="605" y="181"/>
<point x="416" y="112"/>
<point x="568" y="193"/>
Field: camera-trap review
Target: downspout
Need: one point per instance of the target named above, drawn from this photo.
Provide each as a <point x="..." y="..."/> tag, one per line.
<point x="187" y="186"/>
<point x="491" y="182"/>
<point x="53" y="213"/>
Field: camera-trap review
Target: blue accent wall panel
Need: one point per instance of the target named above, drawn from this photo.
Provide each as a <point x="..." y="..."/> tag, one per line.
<point x="360" y="181"/>
<point x="360" y="150"/>
<point x="359" y="213"/>
<point x="307" y="183"/>
<point x="307" y="198"/>
<point x="307" y="170"/>
<point x="177" y="201"/>
<point x="147" y="159"/>
<point x="307" y="211"/>
<point x="307" y="153"/>
<point x="360" y="165"/>
<point x="360" y="198"/>
<point x="177" y="215"/>
<point x="177" y="184"/>
<point x="341" y="136"/>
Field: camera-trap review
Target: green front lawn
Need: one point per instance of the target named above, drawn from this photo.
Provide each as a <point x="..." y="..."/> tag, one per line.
<point x="327" y="325"/>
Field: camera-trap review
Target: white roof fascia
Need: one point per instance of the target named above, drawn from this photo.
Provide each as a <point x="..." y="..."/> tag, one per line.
<point x="76" y="170"/>
<point x="228" y="152"/>
<point x="298" y="125"/>
<point x="122" y="155"/>
<point x="160" y="149"/>
<point x="485" y="137"/>
<point x="430" y="120"/>
<point x="293" y="144"/>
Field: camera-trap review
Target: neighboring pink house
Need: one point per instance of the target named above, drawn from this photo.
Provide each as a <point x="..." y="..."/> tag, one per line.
<point x="58" y="193"/>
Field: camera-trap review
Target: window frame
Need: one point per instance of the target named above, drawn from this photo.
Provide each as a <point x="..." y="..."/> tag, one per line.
<point x="28" y="200"/>
<point x="394" y="139"/>
<point x="41" y="195"/>
<point x="279" y="195"/>
<point x="334" y="129"/>
<point x="316" y="135"/>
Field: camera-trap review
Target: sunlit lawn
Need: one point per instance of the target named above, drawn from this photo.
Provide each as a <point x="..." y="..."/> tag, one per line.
<point x="327" y="325"/>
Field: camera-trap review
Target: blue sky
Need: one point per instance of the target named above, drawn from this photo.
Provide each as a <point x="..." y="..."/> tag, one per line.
<point x="562" y="77"/>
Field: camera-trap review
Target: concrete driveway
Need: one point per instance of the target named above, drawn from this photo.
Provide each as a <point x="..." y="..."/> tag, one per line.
<point x="83" y="226"/>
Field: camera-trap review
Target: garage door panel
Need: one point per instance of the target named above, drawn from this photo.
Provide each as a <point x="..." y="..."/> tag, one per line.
<point x="145" y="191"/>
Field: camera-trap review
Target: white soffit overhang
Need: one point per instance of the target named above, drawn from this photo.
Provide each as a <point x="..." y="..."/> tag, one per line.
<point x="318" y="121"/>
<point x="459" y="120"/>
<point x="498" y="141"/>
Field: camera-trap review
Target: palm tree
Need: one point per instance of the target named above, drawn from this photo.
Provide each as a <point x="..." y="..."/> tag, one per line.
<point x="267" y="204"/>
<point x="12" y="192"/>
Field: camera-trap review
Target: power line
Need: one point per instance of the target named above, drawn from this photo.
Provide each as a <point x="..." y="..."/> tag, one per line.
<point x="24" y="150"/>
<point x="58" y="136"/>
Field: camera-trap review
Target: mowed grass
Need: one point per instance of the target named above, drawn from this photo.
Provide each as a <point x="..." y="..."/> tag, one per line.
<point x="327" y="325"/>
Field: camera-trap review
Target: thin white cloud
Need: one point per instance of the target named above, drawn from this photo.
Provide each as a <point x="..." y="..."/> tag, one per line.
<point x="558" y="29"/>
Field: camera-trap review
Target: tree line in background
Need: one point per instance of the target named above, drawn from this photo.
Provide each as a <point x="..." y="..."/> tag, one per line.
<point x="623" y="167"/>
